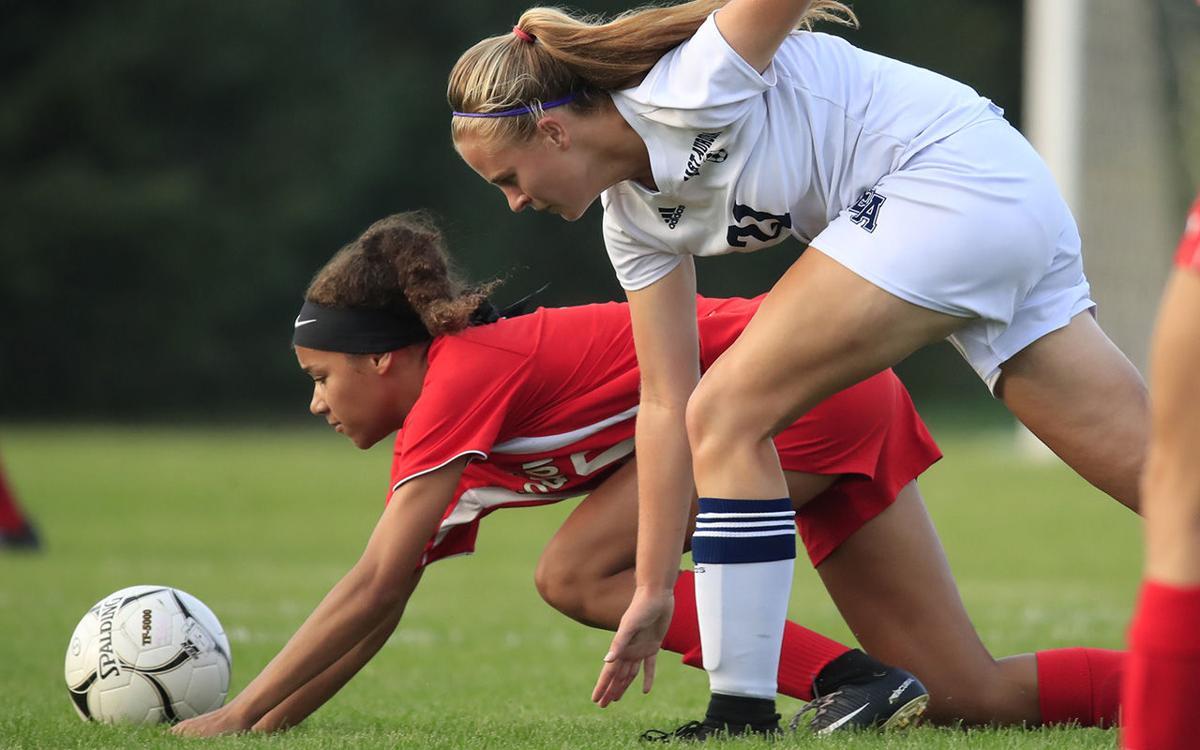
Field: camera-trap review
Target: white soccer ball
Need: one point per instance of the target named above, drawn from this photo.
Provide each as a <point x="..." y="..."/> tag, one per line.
<point x="147" y="654"/>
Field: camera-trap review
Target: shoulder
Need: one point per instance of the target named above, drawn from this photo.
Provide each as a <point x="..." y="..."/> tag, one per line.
<point x="638" y="253"/>
<point x="506" y="339"/>
<point x="702" y="83"/>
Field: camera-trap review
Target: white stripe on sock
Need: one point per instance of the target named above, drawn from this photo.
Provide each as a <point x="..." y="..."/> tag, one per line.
<point x="777" y="532"/>
<point x="747" y="524"/>
<point x="773" y="514"/>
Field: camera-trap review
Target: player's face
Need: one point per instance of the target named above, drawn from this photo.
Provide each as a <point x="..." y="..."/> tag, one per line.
<point x="549" y="172"/>
<point x="352" y="394"/>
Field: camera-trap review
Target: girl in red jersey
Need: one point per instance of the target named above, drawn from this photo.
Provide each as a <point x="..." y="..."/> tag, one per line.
<point x="538" y="408"/>
<point x="1164" y="661"/>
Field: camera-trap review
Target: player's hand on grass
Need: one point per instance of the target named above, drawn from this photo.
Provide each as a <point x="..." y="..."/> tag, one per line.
<point x="225" y="720"/>
<point x="636" y="643"/>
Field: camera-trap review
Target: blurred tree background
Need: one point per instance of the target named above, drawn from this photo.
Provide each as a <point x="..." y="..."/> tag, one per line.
<point x="172" y="173"/>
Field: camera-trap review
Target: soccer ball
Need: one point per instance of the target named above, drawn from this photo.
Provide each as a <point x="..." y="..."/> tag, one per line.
<point x="147" y="654"/>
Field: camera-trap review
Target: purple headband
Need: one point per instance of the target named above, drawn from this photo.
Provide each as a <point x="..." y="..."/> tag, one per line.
<point x="518" y="110"/>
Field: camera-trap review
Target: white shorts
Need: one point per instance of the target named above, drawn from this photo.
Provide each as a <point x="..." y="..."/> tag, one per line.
<point x="971" y="226"/>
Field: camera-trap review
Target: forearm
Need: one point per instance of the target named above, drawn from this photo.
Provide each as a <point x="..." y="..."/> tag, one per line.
<point x="351" y="622"/>
<point x="345" y="617"/>
<point x="664" y="493"/>
<point x="317" y="691"/>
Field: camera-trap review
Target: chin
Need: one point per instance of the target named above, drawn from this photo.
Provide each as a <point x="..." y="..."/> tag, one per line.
<point x="364" y="442"/>
<point x="577" y="215"/>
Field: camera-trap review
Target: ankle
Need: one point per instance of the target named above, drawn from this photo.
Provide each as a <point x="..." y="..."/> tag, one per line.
<point x="737" y="710"/>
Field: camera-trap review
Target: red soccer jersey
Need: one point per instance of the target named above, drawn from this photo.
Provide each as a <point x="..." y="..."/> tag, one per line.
<point x="1188" y="255"/>
<point x="544" y="404"/>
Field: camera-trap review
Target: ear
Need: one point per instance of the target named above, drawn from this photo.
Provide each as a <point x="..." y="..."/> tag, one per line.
<point x="382" y="363"/>
<point x="551" y="129"/>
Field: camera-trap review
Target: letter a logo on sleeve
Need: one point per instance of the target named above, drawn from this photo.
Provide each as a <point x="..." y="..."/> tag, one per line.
<point x="865" y="211"/>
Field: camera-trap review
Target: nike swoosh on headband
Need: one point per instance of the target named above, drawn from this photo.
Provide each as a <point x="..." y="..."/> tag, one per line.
<point x="304" y="322"/>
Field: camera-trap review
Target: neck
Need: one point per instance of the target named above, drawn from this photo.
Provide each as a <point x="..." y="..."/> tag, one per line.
<point x="624" y="151"/>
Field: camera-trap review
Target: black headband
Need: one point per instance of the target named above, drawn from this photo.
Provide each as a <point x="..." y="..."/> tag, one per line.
<point x="355" y="330"/>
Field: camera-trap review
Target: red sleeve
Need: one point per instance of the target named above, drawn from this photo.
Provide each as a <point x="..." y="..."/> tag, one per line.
<point x="1188" y="255"/>
<point x="451" y="539"/>
<point x="477" y="495"/>
<point x="469" y="392"/>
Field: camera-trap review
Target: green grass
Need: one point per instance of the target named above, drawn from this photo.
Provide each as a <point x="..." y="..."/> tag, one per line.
<point x="260" y="523"/>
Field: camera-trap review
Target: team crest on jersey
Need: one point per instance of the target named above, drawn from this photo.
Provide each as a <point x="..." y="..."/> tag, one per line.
<point x="671" y="215"/>
<point x="701" y="147"/>
<point x="763" y="226"/>
<point x="865" y="211"/>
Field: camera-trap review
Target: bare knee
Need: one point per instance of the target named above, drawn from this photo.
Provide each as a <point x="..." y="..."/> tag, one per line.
<point x="719" y="421"/>
<point x="700" y="418"/>
<point x="561" y="586"/>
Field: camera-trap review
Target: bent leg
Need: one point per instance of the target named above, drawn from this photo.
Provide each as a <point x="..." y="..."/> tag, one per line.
<point x="586" y="569"/>
<point x="911" y="615"/>
<point x="822" y="328"/>
<point x="1083" y="398"/>
<point x="586" y="572"/>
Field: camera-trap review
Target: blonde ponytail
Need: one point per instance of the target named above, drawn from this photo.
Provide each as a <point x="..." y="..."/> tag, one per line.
<point x="583" y="56"/>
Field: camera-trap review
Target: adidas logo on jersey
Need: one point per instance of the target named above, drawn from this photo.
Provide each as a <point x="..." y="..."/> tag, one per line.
<point x="671" y="215"/>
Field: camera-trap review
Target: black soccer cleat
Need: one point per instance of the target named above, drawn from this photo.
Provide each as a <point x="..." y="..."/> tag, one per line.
<point x="727" y="716"/>
<point x="24" y="539"/>
<point x="881" y="697"/>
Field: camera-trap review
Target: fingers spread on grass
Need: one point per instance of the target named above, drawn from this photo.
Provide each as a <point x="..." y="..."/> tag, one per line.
<point x="615" y="679"/>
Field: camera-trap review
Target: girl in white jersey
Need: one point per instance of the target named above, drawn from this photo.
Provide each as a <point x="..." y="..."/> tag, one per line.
<point x="712" y="127"/>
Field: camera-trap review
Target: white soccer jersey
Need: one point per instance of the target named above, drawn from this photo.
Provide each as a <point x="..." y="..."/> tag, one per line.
<point x="742" y="160"/>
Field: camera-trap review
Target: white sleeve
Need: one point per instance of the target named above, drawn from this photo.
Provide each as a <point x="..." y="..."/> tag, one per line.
<point x="638" y="258"/>
<point x="702" y="83"/>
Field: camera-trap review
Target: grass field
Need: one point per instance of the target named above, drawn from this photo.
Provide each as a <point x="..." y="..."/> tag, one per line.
<point x="260" y="523"/>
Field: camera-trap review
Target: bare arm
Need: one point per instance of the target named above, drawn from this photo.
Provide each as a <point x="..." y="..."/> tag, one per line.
<point x="373" y="590"/>
<point x="665" y="336"/>
<point x="668" y="350"/>
<point x="756" y="28"/>
<point x="317" y="691"/>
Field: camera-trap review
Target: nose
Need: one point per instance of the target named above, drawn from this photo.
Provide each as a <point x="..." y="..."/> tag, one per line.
<point x="517" y="201"/>
<point x="317" y="406"/>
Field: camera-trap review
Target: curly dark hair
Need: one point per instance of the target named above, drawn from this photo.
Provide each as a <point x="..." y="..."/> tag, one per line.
<point x="400" y="264"/>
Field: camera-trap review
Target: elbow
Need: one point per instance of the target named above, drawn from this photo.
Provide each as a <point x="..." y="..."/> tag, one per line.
<point x="379" y="591"/>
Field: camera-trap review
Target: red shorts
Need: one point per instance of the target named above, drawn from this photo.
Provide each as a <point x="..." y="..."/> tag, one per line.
<point x="1188" y="255"/>
<point x="870" y="433"/>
